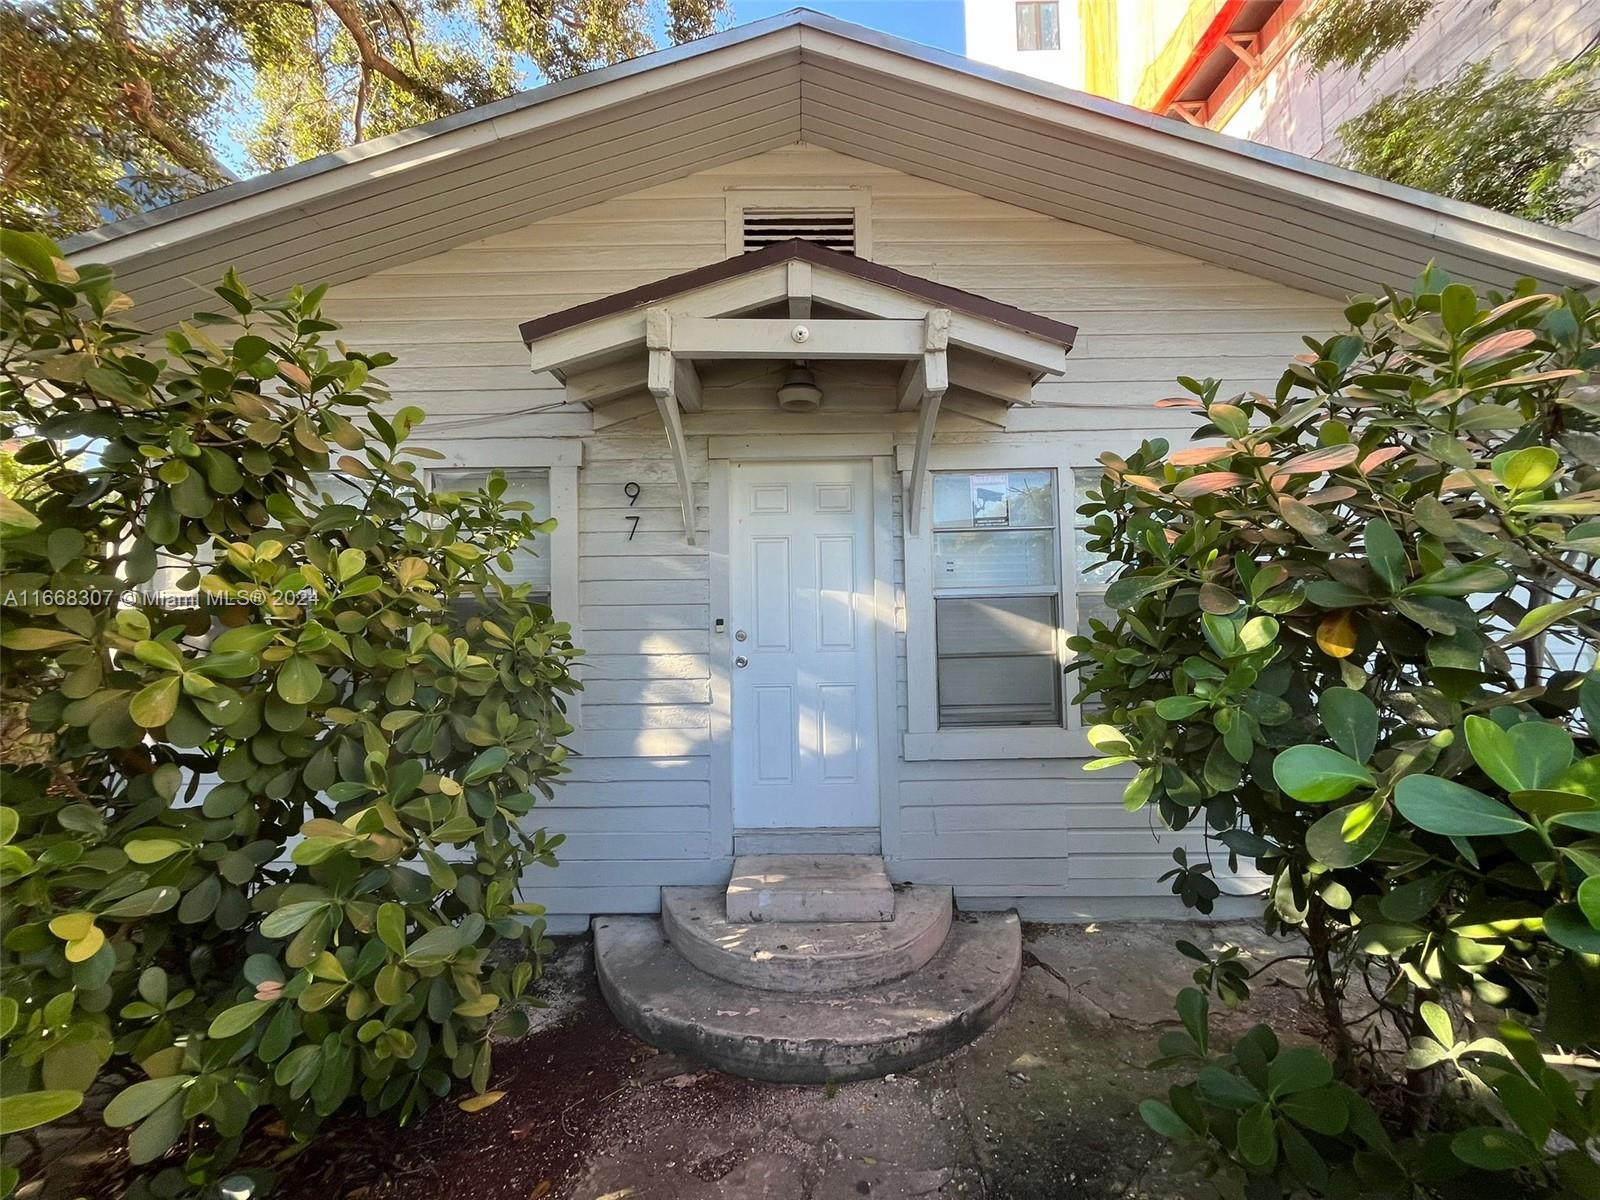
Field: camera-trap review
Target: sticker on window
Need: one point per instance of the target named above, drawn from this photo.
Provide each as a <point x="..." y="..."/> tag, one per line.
<point x="990" y="499"/>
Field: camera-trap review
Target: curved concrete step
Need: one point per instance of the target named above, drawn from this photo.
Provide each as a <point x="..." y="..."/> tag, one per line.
<point x="820" y="956"/>
<point x="810" y="1037"/>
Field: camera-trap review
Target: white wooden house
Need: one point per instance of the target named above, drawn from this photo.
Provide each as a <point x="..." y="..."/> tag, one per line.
<point x="816" y="496"/>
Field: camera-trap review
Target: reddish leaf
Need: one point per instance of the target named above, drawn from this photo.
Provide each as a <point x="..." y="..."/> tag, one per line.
<point x="1178" y="402"/>
<point x="1327" y="458"/>
<point x="1378" y="457"/>
<point x="1500" y="343"/>
<point x="1197" y="456"/>
<point x="1204" y="485"/>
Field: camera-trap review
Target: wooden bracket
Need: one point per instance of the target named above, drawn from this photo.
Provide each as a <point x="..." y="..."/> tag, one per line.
<point x="663" y="379"/>
<point x="923" y="385"/>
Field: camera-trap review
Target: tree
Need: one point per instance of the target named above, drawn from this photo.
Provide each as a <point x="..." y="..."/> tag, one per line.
<point x="297" y="719"/>
<point x="1355" y="643"/>
<point x="1518" y="145"/>
<point x="109" y="107"/>
<point x="1357" y="33"/>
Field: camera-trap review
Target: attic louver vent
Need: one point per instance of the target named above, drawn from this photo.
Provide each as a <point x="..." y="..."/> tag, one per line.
<point x="834" y="228"/>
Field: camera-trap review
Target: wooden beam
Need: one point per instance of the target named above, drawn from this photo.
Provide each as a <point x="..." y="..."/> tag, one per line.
<point x="600" y="384"/>
<point x="763" y="337"/>
<point x="663" y="386"/>
<point x="686" y="382"/>
<point x="799" y="280"/>
<point x="990" y="378"/>
<point x="919" y="464"/>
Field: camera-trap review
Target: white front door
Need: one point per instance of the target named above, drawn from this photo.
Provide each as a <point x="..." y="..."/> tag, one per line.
<point x="805" y="744"/>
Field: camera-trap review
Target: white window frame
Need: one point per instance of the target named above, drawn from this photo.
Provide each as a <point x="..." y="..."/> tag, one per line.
<point x="923" y="740"/>
<point x="1038" y="25"/>
<point x="562" y="458"/>
<point x="849" y="196"/>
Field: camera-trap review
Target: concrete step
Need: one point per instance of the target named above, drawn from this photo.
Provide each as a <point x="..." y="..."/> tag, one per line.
<point x="810" y="1037"/>
<point x="819" y="956"/>
<point x="809" y="887"/>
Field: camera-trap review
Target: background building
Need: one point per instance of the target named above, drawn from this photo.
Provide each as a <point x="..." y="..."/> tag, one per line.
<point x="1231" y="65"/>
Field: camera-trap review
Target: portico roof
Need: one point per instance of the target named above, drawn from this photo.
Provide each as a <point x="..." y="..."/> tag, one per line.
<point x="799" y="302"/>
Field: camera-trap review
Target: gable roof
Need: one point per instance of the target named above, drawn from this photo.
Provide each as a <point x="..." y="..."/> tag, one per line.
<point x="804" y="77"/>
<point x="796" y="250"/>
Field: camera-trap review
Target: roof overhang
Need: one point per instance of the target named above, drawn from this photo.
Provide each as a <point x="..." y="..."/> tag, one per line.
<point x="803" y="77"/>
<point x="799" y="302"/>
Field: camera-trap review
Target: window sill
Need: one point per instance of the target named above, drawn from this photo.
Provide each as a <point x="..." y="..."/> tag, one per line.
<point x="1000" y="742"/>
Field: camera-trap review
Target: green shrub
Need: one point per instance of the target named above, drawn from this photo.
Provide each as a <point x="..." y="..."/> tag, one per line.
<point x="1356" y="641"/>
<point x="280" y="828"/>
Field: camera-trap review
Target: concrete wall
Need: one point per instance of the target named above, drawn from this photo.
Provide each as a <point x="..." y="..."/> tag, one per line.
<point x="1294" y="110"/>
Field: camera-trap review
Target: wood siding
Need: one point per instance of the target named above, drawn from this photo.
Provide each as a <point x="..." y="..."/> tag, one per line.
<point x="641" y="809"/>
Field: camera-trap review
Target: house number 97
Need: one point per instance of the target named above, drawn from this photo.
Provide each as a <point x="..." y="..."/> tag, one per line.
<point x="631" y="491"/>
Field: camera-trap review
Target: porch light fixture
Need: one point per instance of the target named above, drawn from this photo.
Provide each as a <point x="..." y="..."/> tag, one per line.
<point x="799" y="392"/>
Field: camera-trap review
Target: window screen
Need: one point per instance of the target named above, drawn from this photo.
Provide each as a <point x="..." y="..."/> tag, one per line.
<point x="997" y="598"/>
<point x="1038" y="25"/>
<point x="531" y="560"/>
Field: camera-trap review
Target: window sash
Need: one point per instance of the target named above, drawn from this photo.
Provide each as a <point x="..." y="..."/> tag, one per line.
<point x="1010" y="645"/>
<point x="1038" y="25"/>
<point x="532" y="559"/>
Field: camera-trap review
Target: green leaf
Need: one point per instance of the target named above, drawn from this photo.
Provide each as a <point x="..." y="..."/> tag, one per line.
<point x="1318" y="774"/>
<point x="1226" y="1089"/>
<point x="299" y="680"/>
<point x="146" y="850"/>
<point x="1526" y="757"/>
<point x="138" y="1101"/>
<point x="1445" y="807"/>
<point x="1177" y="708"/>
<point x="1298" y="1069"/>
<point x="1492" y="1148"/>
<point x="1568" y="925"/>
<point x="237" y="1019"/>
<point x="158" y="654"/>
<point x="1528" y="468"/>
<point x="37" y="639"/>
<point x="489" y="763"/>
<point x="1258" y="1136"/>
<point x="434" y="947"/>
<point x="1537" y="620"/>
<point x="152" y="706"/>
<point x="392" y="927"/>
<point x="27" y="1110"/>
<point x="1386" y="553"/>
<point x="1348" y="836"/>
<point x="1468" y="579"/>
<point x="1164" y="1121"/>
<point x="1322" y="1110"/>
<point x="1351" y="721"/>
<point x="1458" y="307"/>
<point x="282" y="922"/>
<point x="158" y="1133"/>
<point x="1589" y="900"/>
<point x="34" y="253"/>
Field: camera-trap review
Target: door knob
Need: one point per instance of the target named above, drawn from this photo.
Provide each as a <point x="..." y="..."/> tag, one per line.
<point x="741" y="661"/>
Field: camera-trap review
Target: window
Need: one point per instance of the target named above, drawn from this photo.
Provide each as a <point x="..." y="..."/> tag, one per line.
<point x="1094" y="573"/>
<point x="532" y="559"/>
<point x="1038" y="25"/>
<point x="996" y="598"/>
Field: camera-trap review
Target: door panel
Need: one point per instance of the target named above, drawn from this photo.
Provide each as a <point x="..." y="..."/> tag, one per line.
<point x="804" y="719"/>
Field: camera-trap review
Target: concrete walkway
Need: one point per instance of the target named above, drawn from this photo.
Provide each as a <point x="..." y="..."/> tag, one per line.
<point x="1042" y="1106"/>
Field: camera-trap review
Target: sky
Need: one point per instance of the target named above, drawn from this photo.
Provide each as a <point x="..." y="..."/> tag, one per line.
<point x="936" y="23"/>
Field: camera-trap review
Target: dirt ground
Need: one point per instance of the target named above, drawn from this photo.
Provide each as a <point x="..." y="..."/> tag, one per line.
<point x="1042" y="1107"/>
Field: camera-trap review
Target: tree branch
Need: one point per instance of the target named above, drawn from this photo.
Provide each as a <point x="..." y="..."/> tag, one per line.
<point x="375" y="62"/>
